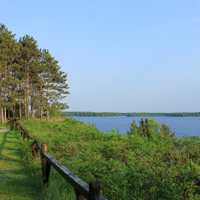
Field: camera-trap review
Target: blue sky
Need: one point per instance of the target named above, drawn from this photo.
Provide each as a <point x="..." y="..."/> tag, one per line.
<point x="119" y="55"/>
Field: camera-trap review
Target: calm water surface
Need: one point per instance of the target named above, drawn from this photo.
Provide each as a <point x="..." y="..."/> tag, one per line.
<point x="182" y="126"/>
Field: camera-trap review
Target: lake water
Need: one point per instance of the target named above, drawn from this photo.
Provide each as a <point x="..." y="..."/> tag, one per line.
<point x="182" y="126"/>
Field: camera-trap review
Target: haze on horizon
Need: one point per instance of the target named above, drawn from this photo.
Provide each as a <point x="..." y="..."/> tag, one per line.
<point x="125" y="56"/>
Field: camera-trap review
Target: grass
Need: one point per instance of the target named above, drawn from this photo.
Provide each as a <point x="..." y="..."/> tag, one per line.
<point x="2" y="126"/>
<point x="129" y="167"/>
<point x="17" y="182"/>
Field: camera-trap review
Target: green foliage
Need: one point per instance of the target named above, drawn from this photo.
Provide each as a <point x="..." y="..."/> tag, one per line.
<point x="31" y="81"/>
<point x="150" y="128"/>
<point x="135" y="166"/>
<point x="134" y="129"/>
<point x="18" y="178"/>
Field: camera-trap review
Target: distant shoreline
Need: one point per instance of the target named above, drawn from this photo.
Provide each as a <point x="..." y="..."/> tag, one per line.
<point x="131" y="114"/>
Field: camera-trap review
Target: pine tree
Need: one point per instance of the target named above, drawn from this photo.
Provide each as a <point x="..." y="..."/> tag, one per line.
<point x="133" y="128"/>
<point x="31" y="81"/>
<point x="8" y="65"/>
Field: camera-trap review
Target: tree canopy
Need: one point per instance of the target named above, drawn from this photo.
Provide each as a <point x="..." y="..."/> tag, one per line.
<point x="31" y="81"/>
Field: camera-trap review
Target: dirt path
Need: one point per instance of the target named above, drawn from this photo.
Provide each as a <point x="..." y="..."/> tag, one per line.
<point x="16" y="181"/>
<point x="3" y="130"/>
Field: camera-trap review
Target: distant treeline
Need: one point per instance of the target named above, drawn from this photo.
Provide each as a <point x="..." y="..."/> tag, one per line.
<point x="141" y="114"/>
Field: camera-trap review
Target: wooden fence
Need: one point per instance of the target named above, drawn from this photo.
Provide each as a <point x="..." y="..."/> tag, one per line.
<point x="82" y="189"/>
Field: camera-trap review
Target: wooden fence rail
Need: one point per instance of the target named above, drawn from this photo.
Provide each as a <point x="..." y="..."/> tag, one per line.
<point x="82" y="189"/>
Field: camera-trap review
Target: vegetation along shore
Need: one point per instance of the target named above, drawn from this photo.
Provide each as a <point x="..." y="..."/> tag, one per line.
<point x="147" y="163"/>
<point x="132" y="114"/>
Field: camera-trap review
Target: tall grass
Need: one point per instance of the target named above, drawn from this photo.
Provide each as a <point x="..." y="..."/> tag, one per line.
<point x="128" y="166"/>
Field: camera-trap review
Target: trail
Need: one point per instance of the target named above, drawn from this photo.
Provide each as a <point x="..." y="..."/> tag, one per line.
<point x="16" y="181"/>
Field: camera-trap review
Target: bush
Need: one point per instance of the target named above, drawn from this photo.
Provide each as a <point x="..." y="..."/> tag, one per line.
<point x="139" y="166"/>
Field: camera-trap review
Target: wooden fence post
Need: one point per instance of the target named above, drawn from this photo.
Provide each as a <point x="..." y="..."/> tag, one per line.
<point x="11" y="122"/>
<point x="46" y="166"/>
<point x="23" y="135"/>
<point x="79" y="196"/>
<point x="94" y="190"/>
<point x="34" y="149"/>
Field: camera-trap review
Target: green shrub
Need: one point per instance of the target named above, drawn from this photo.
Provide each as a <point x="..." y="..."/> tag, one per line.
<point x="136" y="166"/>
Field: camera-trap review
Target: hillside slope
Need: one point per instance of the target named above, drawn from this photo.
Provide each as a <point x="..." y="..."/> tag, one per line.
<point x="128" y="166"/>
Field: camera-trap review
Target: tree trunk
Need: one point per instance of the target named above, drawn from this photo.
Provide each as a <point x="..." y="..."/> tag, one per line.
<point x="5" y="114"/>
<point x="20" y="110"/>
<point x="13" y="112"/>
<point x="2" y="115"/>
<point x="27" y="95"/>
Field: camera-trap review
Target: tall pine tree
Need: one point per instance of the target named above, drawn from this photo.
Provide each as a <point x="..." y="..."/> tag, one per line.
<point x="31" y="81"/>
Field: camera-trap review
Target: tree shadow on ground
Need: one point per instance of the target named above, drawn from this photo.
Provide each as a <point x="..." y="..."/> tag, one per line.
<point x="17" y="185"/>
<point x="17" y="181"/>
<point x="3" y="142"/>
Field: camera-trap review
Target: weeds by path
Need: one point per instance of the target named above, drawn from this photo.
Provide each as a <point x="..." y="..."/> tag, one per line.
<point x="17" y="182"/>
